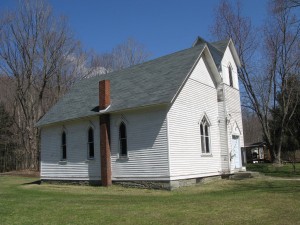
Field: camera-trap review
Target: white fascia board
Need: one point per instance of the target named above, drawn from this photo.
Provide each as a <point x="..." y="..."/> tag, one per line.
<point x="234" y="53"/>
<point x="212" y="66"/>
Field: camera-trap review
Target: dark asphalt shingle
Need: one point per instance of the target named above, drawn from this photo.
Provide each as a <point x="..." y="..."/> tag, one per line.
<point x="150" y="83"/>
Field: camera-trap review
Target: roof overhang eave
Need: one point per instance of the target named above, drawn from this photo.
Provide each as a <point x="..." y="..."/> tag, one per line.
<point x="65" y="121"/>
<point x="102" y="112"/>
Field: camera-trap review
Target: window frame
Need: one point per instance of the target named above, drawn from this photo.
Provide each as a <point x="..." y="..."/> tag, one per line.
<point x="64" y="146"/>
<point x="205" y="138"/>
<point x="90" y="143"/>
<point x="123" y="139"/>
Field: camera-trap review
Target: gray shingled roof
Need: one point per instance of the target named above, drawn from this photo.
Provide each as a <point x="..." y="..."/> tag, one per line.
<point x="150" y="83"/>
<point x="221" y="45"/>
<point x="216" y="49"/>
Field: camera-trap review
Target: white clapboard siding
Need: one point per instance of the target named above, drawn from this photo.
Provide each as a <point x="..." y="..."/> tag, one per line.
<point x="226" y="61"/>
<point x="146" y="142"/>
<point x="197" y="97"/>
<point x="201" y="74"/>
<point x="223" y="136"/>
<point x="163" y="142"/>
<point x="233" y="104"/>
<point x="232" y="100"/>
<point x="77" y="166"/>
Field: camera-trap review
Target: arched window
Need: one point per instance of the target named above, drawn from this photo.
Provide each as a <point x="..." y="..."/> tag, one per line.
<point x="230" y="76"/>
<point x="123" y="140"/>
<point x="91" y="152"/>
<point x="64" y="145"/>
<point x="205" y="136"/>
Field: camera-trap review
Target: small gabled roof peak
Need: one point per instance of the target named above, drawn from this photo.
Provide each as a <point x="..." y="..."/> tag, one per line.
<point x="199" y="40"/>
<point x="221" y="45"/>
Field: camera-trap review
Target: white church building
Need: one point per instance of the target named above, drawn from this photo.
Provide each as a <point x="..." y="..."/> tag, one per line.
<point x="163" y="123"/>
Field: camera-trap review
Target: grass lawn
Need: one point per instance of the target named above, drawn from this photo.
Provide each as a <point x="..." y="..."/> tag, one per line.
<point x="269" y="169"/>
<point x="251" y="201"/>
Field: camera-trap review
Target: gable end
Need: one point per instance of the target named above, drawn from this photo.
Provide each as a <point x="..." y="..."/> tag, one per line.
<point x="210" y="65"/>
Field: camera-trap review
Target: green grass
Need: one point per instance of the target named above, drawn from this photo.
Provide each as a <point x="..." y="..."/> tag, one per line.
<point x="269" y="169"/>
<point x="252" y="201"/>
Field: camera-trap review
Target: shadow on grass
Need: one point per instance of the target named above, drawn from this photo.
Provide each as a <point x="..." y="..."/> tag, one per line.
<point x="38" y="182"/>
<point x="220" y="189"/>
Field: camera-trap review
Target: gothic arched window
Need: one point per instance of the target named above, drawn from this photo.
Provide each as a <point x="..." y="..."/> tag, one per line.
<point x="205" y="136"/>
<point x="123" y="139"/>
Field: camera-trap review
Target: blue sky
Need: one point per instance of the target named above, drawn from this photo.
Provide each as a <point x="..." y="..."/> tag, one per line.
<point x="163" y="26"/>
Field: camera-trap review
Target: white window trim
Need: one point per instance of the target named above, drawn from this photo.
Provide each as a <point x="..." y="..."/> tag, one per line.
<point x="207" y="123"/>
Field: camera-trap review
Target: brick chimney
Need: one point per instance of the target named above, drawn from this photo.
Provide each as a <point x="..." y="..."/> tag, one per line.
<point x="104" y="94"/>
<point x="104" y="102"/>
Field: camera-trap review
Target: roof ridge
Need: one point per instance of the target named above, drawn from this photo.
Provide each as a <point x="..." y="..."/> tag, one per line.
<point x="211" y="45"/>
<point x="137" y="65"/>
<point x="217" y="43"/>
<point x="199" y="40"/>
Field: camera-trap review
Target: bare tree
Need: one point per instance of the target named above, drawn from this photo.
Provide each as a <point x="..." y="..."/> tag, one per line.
<point x="230" y="23"/>
<point x="262" y="82"/>
<point x="105" y="60"/>
<point x="283" y="54"/>
<point x="292" y="3"/>
<point x="251" y="127"/>
<point x="128" y="54"/>
<point x="35" y="48"/>
<point x="41" y="60"/>
<point x="124" y="55"/>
